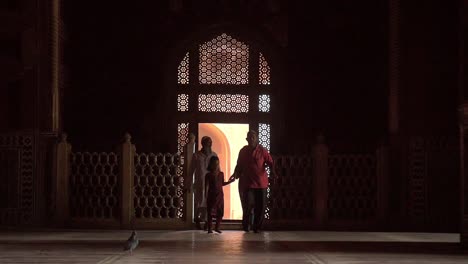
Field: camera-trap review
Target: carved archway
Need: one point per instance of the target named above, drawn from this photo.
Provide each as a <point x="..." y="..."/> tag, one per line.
<point x="224" y="76"/>
<point x="224" y="79"/>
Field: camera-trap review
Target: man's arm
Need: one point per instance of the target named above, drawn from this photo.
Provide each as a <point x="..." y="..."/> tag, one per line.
<point x="270" y="163"/>
<point x="238" y="169"/>
<point x="268" y="159"/>
<point x="231" y="179"/>
<point x="237" y="172"/>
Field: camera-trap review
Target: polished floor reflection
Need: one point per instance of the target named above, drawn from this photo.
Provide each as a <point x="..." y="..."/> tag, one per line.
<point x="230" y="247"/>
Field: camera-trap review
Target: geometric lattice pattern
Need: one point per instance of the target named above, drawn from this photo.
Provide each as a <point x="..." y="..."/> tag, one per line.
<point x="441" y="157"/>
<point x="94" y="185"/>
<point x="224" y="60"/>
<point x="183" y="136"/>
<point x="264" y="103"/>
<point x="264" y="141"/>
<point x="292" y="192"/>
<point x="182" y="102"/>
<point x="264" y="135"/>
<point x="17" y="172"/>
<point x="264" y="71"/>
<point x="417" y="179"/>
<point x="352" y="187"/>
<point x="226" y="103"/>
<point x="183" y="70"/>
<point x="158" y="186"/>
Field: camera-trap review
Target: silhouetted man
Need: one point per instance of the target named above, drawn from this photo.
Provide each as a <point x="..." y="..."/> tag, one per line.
<point x="200" y="161"/>
<point x="253" y="181"/>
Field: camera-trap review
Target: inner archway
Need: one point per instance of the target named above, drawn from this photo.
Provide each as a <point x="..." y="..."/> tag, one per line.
<point x="228" y="139"/>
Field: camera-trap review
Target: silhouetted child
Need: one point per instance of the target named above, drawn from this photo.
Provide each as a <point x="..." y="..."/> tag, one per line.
<point x="214" y="183"/>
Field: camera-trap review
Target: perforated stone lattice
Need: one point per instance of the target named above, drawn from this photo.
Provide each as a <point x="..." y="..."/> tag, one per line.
<point x="292" y="192"/>
<point x="352" y="186"/>
<point x="94" y="185"/>
<point x="182" y="102"/>
<point x="264" y="103"/>
<point x="417" y="178"/>
<point x="183" y="133"/>
<point x="264" y="140"/>
<point x="264" y="71"/>
<point x="158" y="186"/>
<point x="264" y="131"/>
<point x="24" y="212"/>
<point x="183" y="70"/>
<point x="224" y="60"/>
<point x="226" y="103"/>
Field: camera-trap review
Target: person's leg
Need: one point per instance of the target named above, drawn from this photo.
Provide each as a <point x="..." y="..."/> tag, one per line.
<point x="209" y="219"/>
<point x="250" y="205"/>
<point x="197" y="210"/>
<point x="245" y="209"/>
<point x="197" y="217"/>
<point x="219" y="218"/>
<point x="259" y="211"/>
<point x="241" y="198"/>
<point x="203" y="216"/>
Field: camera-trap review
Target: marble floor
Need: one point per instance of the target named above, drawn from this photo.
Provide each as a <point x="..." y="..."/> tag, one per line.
<point x="92" y="246"/>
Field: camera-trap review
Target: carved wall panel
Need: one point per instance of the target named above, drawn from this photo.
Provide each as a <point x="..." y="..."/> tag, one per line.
<point x="352" y="187"/>
<point x="264" y="103"/>
<point x="433" y="176"/>
<point x="264" y="71"/>
<point x="226" y="103"/>
<point x="158" y="187"/>
<point x="183" y="70"/>
<point x="182" y="102"/>
<point x="182" y="136"/>
<point x="224" y="60"/>
<point x="17" y="204"/>
<point x="94" y="185"/>
<point x="292" y="193"/>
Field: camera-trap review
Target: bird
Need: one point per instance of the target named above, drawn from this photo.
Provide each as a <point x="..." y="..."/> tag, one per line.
<point x="132" y="242"/>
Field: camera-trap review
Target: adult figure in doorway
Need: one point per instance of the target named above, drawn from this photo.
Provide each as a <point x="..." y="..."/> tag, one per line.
<point x="253" y="181"/>
<point x="198" y="170"/>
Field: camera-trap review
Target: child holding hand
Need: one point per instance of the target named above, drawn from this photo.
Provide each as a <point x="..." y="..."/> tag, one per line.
<point x="214" y="182"/>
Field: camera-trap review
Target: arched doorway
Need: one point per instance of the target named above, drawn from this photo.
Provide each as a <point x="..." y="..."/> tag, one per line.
<point x="228" y="139"/>
<point x="224" y="79"/>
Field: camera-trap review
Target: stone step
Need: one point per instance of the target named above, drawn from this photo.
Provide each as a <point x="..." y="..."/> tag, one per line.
<point x="230" y="225"/>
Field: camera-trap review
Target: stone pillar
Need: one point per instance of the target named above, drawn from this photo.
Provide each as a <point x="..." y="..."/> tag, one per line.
<point x="396" y="126"/>
<point x="189" y="149"/>
<point x="320" y="183"/>
<point x="393" y="69"/>
<point x="61" y="183"/>
<point x="463" y="122"/>
<point x="55" y="61"/>
<point x="127" y="152"/>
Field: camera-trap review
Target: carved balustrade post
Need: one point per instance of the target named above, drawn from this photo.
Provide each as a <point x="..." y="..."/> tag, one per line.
<point x="61" y="183"/>
<point x="320" y="183"/>
<point x="127" y="153"/>
<point x="189" y="149"/>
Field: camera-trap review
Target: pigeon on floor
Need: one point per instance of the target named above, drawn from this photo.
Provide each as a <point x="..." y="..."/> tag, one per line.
<point x="132" y="242"/>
